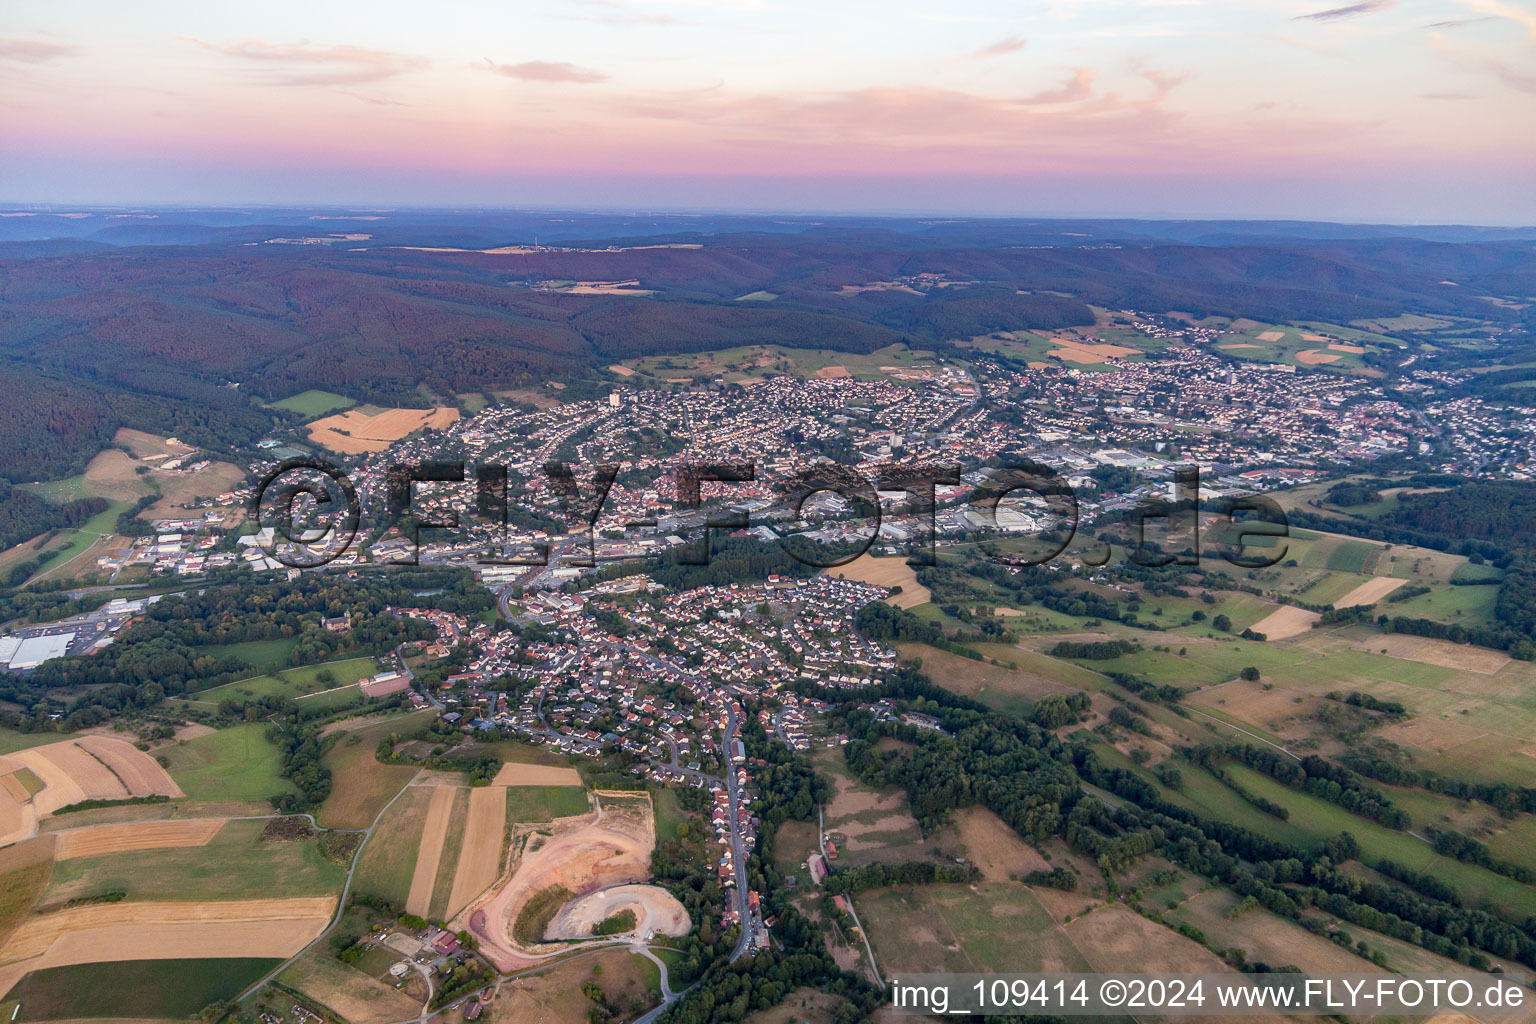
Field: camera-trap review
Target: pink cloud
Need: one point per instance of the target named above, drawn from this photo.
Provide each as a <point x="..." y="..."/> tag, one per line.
<point x="547" y="71"/>
<point x="1013" y="44"/>
<point x="317" y="65"/>
<point x="32" y="51"/>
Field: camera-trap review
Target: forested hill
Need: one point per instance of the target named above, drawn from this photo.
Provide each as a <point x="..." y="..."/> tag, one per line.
<point x="96" y="338"/>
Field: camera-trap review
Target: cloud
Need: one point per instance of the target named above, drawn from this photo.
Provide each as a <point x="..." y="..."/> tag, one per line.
<point x="546" y="71"/>
<point x="915" y="117"/>
<point x="1013" y="44"/>
<point x="1336" y="13"/>
<point x="1459" y="22"/>
<point x="1499" y="9"/>
<point x="32" y="51"/>
<point x="1079" y="88"/>
<point x="304" y="64"/>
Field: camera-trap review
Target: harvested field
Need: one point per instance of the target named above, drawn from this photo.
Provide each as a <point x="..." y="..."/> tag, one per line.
<point x="995" y="849"/>
<point x="355" y="431"/>
<point x="93" y="767"/>
<point x="1113" y="937"/>
<point x="536" y="775"/>
<point x="832" y="372"/>
<point x="1272" y="336"/>
<point x="1357" y="350"/>
<point x="1462" y="657"/>
<point x="610" y="847"/>
<point x="480" y="859"/>
<point x="1238" y="345"/>
<point x="164" y="931"/>
<point x="1312" y="357"/>
<point x="622" y="370"/>
<point x="1369" y="592"/>
<point x="885" y="572"/>
<point x="1071" y="351"/>
<point x="1286" y="621"/>
<point x="657" y="912"/>
<point x="137" y="771"/>
<point x="18" y="818"/>
<point x="419" y="902"/>
<point x="148" y="835"/>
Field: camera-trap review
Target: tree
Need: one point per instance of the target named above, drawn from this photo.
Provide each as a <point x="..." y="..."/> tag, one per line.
<point x="1250" y="673"/>
<point x="1222" y="623"/>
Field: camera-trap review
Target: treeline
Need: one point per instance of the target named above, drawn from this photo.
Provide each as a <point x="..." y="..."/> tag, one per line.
<point x="915" y="872"/>
<point x="1394" y="710"/>
<point x="1093" y="650"/>
<point x="1464" y="848"/>
<point x="23" y="515"/>
<point x="1288" y="881"/>
<point x="1506" y="799"/>
<point x="1315" y="776"/>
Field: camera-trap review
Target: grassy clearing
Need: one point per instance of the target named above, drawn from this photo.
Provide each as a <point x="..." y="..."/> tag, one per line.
<point x="235" y="864"/>
<point x="294" y="682"/>
<point x="545" y="803"/>
<point x="313" y="403"/>
<point x="262" y="655"/>
<point x="236" y="764"/>
<point x="135" y="989"/>
<point x="669" y="813"/>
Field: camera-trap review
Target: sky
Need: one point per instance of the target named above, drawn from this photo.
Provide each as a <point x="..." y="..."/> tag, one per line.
<point x="1411" y="111"/>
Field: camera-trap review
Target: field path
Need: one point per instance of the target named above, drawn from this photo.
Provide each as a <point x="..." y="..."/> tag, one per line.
<point x="433" y="833"/>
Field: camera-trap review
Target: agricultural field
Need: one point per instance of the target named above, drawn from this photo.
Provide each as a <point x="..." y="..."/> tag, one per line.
<point x="234" y="863"/>
<point x="360" y="784"/>
<point x="388" y="860"/>
<point x="1007" y="689"/>
<point x="373" y="429"/>
<point x="752" y="362"/>
<point x="234" y="765"/>
<point x="1315" y="345"/>
<point x="312" y="403"/>
<point x="545" y="803"/>
<point x="134" y="989"/>
<point x="885" y="572"/>
<point x="986" y="928"/>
